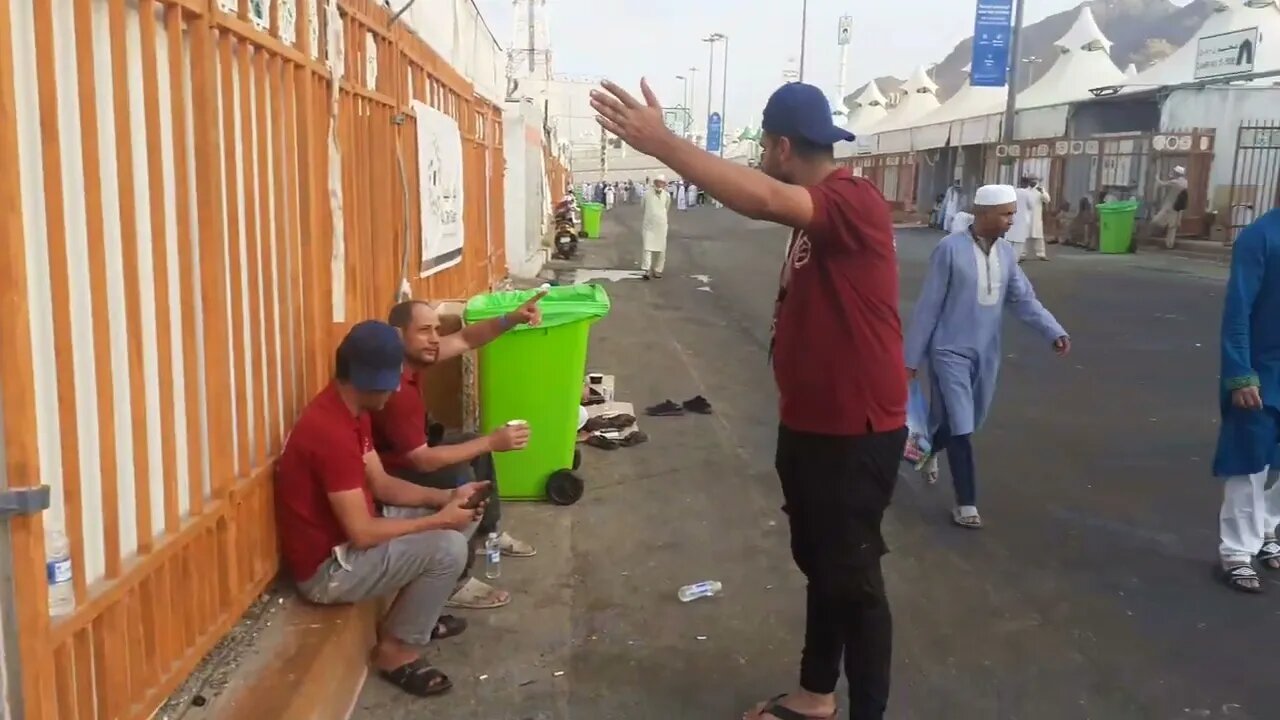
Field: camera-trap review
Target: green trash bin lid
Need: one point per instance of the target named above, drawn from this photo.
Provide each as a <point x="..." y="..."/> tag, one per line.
<point x="562" y="305"/>
<point x="1121" y="206"/>
<point x="592" y="206"/>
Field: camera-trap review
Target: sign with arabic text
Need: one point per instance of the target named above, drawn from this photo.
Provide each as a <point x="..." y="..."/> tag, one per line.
<point x="1226" y="54"/>
<point x="715" y="129"/>
<point x="992" y="32"/>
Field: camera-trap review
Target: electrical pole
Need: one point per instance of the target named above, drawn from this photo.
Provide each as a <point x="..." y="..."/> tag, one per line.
<point x="711" y="81"/>
<point x="804" y="30"/>
<point x="724" y="93"/>
<point x="1011" y="73"/>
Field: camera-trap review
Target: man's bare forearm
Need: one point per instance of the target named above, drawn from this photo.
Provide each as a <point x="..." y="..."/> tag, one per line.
<point x="744" y="190"/>
<point x="483" y="333"/>
<point x="391" y="490"/>
<point x="431" y="458"/>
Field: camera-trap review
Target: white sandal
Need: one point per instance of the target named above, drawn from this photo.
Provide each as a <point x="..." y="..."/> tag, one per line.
<point x="967" y="517"/>
<point x="512" y="547"/>
<point x="477" y="595"/>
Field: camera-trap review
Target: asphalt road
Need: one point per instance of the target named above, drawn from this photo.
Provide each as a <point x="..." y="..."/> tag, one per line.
<point x="1089" y="594"/>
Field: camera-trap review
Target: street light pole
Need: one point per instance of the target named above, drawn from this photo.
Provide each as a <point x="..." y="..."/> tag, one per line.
<point x="1011" y="74"/>
<point x="693" y="87"/>
<point x="684" y="104"/>
<point x="710" y="40"/>
<point x="724" y="93"/>
<point x="804" y="30"/>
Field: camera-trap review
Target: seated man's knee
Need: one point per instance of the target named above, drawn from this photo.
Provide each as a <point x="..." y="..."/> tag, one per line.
<point x="438" y="552"/>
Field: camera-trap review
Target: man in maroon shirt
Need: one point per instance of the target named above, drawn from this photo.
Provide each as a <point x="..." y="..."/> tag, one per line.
<point x="400" y="431"/>
<point x="837" y="357"/>
<point x="336" y="544"/>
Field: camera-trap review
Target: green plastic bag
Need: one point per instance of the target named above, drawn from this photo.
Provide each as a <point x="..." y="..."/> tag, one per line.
<point x="562" y="305"/>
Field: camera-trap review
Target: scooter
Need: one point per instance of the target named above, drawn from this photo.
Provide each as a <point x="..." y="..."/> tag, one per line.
<point x="566" y="239"/>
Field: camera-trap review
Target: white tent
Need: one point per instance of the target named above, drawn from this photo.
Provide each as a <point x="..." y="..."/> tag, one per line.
<point x="1130" y="72"/>
<point x="892" y="133"/>
<point x="868" y="109"/>
<point x="964" y="118"/>
<point x="1084" y="62"/>
<point x="1216" y="51"/>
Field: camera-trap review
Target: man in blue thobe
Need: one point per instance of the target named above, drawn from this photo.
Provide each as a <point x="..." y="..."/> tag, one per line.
<point x="1248" y="455"/>
<point x="955" y="331"/>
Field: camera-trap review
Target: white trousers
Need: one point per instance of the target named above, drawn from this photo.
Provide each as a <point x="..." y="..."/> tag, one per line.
<point x="1036" y="245"/>
<point x="1019" y="249"/>
<point x="654" y="260"/>
<point x="1250" y="513"/>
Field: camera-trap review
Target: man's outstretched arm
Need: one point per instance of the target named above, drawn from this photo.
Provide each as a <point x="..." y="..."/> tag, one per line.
<point x="742" y="189"/>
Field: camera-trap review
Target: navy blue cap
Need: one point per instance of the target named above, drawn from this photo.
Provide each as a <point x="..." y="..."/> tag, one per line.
<point x="373" y="353"/>
<point x="800" y="110"/>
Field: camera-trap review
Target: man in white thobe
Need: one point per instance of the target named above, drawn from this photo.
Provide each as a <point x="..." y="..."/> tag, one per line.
<point x="1021" y="228"/>
<point x="691" y="195"/>
<point x="682" y="198"/>
<point x="657" y="203"/>
<point x="951" y="204"/>
<point x="1033" y="198"/>
<point x="1172" y="205"/>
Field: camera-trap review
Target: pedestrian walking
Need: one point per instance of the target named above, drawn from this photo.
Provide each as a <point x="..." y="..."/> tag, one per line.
<point x="1020" y="229"/>
<point x="1172" y="205"/>
<point x="610" y="195"/>
<point x="653" y="229"/>
<point x="836" y="351"/>
<point x="1248" y="455"/>
<point x="1034" y="198"/>
<point x="955" y="333"/>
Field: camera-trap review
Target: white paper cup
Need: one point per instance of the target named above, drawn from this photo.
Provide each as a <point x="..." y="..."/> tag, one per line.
<point x="595" y="378"/>
<point x="517" y="423"/>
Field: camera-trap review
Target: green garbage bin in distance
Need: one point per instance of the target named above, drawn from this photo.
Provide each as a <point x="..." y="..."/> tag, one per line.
<point x="591" y="214"/>
<point x="1115" y="226"/>
<point x="536" y="374"/>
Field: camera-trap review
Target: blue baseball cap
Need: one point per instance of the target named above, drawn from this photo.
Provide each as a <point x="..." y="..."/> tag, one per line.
<point x="798" y="110"/>
<point x="373" y="353"/>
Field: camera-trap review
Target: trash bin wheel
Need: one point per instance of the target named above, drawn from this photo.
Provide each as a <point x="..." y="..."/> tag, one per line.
<point x="564" y="487"/>
<point x="577" y="458"/>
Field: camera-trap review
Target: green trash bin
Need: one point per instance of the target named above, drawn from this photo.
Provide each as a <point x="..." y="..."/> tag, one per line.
<point x="591" y="214"/>
<point x="1115" y="226"/>
<point x="536" y="374"/>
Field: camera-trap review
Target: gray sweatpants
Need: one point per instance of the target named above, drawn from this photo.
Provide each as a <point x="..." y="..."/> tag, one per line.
<point x="421" y="570"/>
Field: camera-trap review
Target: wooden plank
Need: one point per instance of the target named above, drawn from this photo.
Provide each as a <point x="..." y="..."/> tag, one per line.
<point x="186" y="265"/>
<point x="65" y="682"/>
<point x="18" y="405"/>
<point x="95" y="236"/>
<point x="160" y="261"/>
<point x="247" y="32"/>
<point x="295" y="303"/>
<point x="60" y="289"/>
<point x="86" y="700"/>
<point x="273" y="238"/>
<point x="251" y="356"/>
<point x="311" y="169"/>
<point x="128" y="210"/>
<point x="226" y="60"/>
<point x="108" y="668"/>
<point x="212" y="265"/>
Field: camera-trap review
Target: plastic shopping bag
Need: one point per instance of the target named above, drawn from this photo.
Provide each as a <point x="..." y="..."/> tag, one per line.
<point x="918" y="445"/>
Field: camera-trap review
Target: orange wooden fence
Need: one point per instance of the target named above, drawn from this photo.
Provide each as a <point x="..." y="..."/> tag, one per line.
<point x="167" y="299"/>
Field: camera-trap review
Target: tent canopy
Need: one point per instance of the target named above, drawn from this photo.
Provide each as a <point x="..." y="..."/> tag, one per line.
<point x="1231" y="23"/>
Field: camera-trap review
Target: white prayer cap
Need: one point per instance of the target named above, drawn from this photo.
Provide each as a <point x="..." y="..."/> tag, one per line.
<point x="1180" y="170"/>
<point x="991" y="195"/>
<point x="661" y="178"/>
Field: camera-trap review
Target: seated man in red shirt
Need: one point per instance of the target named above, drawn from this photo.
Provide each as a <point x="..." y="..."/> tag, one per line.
<point x="336" y="544"/>
<point x="400" y="431"/>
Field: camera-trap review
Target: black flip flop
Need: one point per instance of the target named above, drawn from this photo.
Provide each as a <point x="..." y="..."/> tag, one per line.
<point x="1269" y="554"/>
<point x="699" y="405"/>
<point x="601" y="442"/>
<point x="636" y="438"/>
<point x="418" y="678"/>
<point x="448" y="626"/>
<point x="782" y="712"/>
<point x="666" y="408"/>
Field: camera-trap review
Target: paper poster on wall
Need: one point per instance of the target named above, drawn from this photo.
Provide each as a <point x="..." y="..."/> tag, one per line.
<point x="439" y="189"/>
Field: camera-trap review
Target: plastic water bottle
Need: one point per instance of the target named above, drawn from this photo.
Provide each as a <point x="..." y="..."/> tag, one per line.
<point x="708" y="588"/>
<point x="492" y="557"/>
<point x="57" y="565"/>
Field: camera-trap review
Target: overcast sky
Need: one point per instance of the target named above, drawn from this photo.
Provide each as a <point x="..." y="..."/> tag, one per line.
<point x="625" y="39"/>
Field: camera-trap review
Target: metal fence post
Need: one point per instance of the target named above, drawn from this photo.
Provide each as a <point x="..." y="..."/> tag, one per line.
<point x="10" y="660"/>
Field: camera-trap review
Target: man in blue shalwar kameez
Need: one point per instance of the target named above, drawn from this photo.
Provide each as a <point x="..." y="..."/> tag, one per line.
<point x="955" y="331"/>
<point x="1248" y="455"/>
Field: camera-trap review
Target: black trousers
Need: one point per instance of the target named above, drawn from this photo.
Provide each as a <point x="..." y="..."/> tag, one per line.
<point x="448" y="478"/>
<point x="836" y="490"/>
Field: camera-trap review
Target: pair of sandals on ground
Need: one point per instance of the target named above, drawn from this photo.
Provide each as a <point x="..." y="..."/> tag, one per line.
<point x="1243" y="576"/>
<point x="604" y="432"/>
<point x="966" y="516"/>
<point x="697" y="405"/>
<point x="420" y="677"/>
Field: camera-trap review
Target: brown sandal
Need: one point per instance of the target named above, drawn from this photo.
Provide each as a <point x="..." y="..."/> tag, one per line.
<point x="419" y="678"/>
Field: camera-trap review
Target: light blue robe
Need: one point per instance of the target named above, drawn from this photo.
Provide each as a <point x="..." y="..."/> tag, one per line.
<point x="1249" y="440"/>
<point x="955" y="327"/>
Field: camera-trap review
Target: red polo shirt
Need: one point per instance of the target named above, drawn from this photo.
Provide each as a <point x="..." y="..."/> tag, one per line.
<point x="837" y="345"/>
<point x="400" y="427"/>
<point x="323" y="454"/>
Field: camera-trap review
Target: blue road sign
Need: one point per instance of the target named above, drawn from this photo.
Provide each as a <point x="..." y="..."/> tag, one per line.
<point x="992" y="31"/>
<point x="715" y="129"/>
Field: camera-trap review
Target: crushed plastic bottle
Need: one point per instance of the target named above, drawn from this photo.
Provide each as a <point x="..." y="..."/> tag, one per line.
<point x="57" y="564"/>
<point x="492" y="557"/>
<point x="708" y="588"/>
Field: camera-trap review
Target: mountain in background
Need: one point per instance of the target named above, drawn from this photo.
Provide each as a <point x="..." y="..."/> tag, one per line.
<point x="1142" y="32"/>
